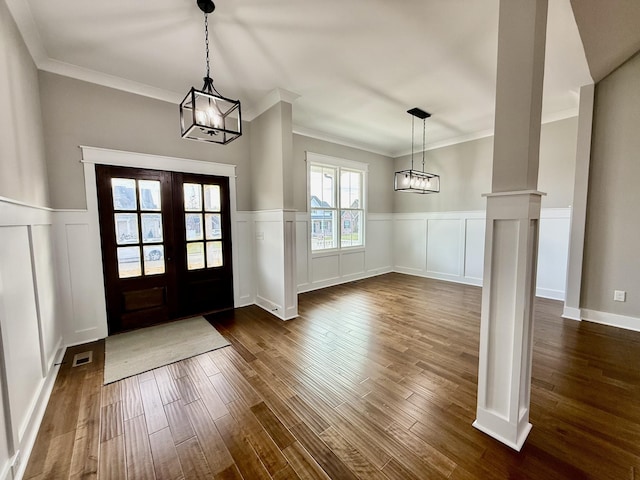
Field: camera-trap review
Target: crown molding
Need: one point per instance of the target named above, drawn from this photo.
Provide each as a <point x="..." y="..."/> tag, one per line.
<point x="275" y="96"/>
<point x="326" y="137"/>
<point x="106" y="80"/>
<point x="546" y="118"/>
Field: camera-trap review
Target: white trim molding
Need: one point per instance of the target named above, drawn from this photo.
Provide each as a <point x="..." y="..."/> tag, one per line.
<point x="79" y="239"/>
<point x="611" y="319"/>
<point x="571" y="313"/>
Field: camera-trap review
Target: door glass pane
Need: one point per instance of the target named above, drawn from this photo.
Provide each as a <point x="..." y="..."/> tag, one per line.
<point x="213" y="230"/>
<point x="193" y="224"/>
<point x="151" y="227"/>
<point x="214" y="254"/>
<point x="195" y="256"/>
<point x="149" y="194"/>
<point x="129" y="262"/>
<point x="124" y="193"/>
<point x="126" y="228"/>
<point x="153" y="259"/>
<point x="192" y="197"/>
<point x="212" y="198"/>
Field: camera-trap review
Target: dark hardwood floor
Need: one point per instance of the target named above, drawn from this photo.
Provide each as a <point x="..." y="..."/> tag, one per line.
<point x="376" y="379"/>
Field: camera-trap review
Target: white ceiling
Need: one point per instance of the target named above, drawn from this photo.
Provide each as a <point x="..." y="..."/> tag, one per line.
<point x="356" y="66"/>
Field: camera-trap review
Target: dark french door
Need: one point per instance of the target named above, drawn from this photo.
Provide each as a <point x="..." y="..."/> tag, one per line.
<point x="166" y="245"/>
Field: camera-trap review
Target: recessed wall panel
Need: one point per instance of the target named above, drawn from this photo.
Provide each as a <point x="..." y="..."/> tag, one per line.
<point x="444" y="246"/>
<point x="474" y="248"/>
<point x="503" y="285"/>
<point x="379" y="244"/>
<point x="410" y="244"/>
<point x="352" y="263"/>
<point x="326" y="267"/>
<point x="20" y="337"/>
<point x="553" y="249"/>
<point x="302" y="252"/>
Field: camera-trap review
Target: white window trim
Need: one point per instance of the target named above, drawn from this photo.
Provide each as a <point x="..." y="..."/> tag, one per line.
<point x="329" y="161"/>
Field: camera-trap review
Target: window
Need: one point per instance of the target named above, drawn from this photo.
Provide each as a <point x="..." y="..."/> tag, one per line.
<point x="336" y="203"/>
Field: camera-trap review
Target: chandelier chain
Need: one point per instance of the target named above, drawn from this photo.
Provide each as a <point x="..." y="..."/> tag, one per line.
<point x="206" y="39"/>
<point x="412" y="138"/>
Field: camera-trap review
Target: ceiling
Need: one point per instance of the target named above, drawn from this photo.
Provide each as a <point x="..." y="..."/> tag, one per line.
<point x="354" y="67"/>
<point x="609" y="32"/>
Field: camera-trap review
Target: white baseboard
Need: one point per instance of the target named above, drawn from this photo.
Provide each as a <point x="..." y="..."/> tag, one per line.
<point x="611" y="319"/>
<point x="550" y="294"/>
<point x="572" y="313"/>
<point x="309" y="287"/>
<point x="31" y="432"/>
<point x="271" y="307"/>
<point x="476" y="282"/>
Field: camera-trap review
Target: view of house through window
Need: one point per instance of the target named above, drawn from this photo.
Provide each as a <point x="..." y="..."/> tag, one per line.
<point x="336" y="206"/>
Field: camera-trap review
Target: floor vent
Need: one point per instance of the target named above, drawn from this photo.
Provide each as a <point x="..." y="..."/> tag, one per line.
<point x="82" y="358"/>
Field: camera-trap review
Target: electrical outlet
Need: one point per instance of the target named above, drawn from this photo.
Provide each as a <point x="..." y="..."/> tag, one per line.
<point x="619" y="296"/>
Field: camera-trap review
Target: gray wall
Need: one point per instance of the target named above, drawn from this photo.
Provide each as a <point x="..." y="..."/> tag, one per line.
<point x="611" y="259"/>
<point x="79" y="113"/>
<point x="465" y="172"/>
<point x="270" y="157"/>
<point x="23" y="171"/>
<point x="380" y="172"/>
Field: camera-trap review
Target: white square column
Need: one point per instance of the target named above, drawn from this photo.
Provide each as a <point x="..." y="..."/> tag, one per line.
<point x="513" y="218"/>
<point x="504" y="373"/>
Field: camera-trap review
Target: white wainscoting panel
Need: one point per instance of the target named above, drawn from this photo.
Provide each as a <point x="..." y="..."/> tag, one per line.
<point x="450" y="246"/>
<point x="289" y="267"/>
<point x="45" y="290"/>
<point x="474" y="250"/>
<point x="84" y="294"/>
<point x="30" y="328"/>
<point x="379" y="238"/>
<point x="445" y="247"/>
<point x="410" y="244"/>
<point x="243" y="256"/>
<point x="269" y="260"/>
<point x="19" y="326"/>
<point x="303" y="254"/>
<point x="553" y="252"/>
<point x="352" y="263"/>
<point x="325" y="268"/>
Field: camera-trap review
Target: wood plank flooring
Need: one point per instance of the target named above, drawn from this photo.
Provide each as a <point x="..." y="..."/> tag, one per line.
<point x="376" y="379"/>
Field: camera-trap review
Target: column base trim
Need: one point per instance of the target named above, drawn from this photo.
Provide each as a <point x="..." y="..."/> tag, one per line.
<point x="517" y="445"/>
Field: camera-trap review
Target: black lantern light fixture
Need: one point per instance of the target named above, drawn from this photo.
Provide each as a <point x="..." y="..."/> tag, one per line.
<point x="205" y="115"/>
<point x="416" y="181"/>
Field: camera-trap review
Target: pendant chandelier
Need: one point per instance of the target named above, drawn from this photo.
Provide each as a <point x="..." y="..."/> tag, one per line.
<point x="416" y="181"/>
<point x="205" y="115"/>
